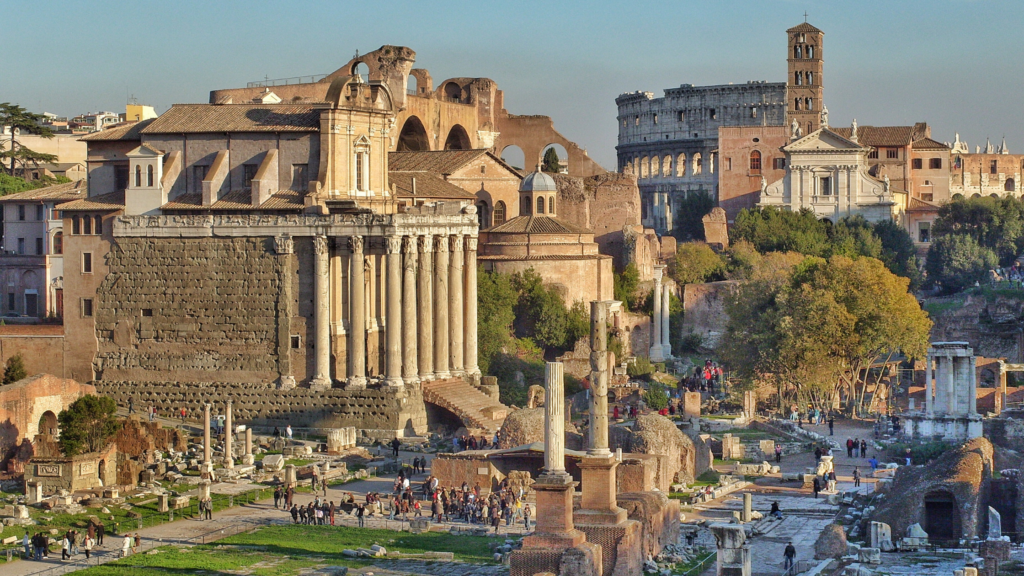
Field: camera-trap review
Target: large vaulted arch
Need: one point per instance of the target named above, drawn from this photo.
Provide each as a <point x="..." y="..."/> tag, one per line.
<point x="458" y="139"/>
<point x="413" y="137"/>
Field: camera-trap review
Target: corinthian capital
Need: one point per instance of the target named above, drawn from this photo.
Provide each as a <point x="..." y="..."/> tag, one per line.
<point x="320" y="245"/>
<point x="409" y="244"/>
<point x="441" y="244"/>
<point x="426" y="244"/>
<point x="355" y="244"/>
<point x="457" y="243"/>
<point x="394" y="244"/>
<point x="471" y="243"/>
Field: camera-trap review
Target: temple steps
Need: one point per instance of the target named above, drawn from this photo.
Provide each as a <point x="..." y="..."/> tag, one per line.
<point x="477" y="410"/>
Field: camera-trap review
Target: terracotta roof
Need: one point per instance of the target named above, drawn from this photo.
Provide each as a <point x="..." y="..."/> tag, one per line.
<point x="537" y="225"/>
<point x="918" y="205"/>
<point x="64" y="192"/>
<point x="122" y="131"/>
<point x="200" y="118"/>
<point x="440" y="161"/>
<point x="112" y="201"/>
<point x="238" y="200"/>
<point x="543" y="257"/>
<point x="803" y="27"/>
<point x="929" y="144"/>
<point x="880" y="135"/>
<point x="428" y="185"/>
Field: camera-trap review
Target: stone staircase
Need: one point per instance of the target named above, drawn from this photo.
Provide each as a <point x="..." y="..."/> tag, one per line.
<point x="478" y="411"/>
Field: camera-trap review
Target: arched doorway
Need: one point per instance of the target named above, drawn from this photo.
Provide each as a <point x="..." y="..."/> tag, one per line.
<point x="48" y="424"/>
<point x="457" y="139"/>
<point x="941" y="517"/>
<point x="362" y="70"/>
<point x="102" y="471"/>
<point x="514" y="156"/>
<point x="413" y="137"/>
<point x="453" y="92"/>
<point x="483" y="214"/>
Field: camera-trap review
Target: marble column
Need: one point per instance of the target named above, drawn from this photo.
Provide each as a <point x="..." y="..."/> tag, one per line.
<point x="598" y="380"/>
<point x="229" y="434"/>
<point x="410" y="370"/>
<point x="322" y="310"/>
<point x="247" y="458"/>
<point x="207" y="447"/>
<point x="657" y="354"/>
<point x="442" y="249"/>
<point x="472" y="368"/>
<point x="455" y="307"/>
<point x="950" y="386"/>
<point x="426" y="308"/>
<point x="554" y="422"/>
<point x="972" y="398"/>
<point x="928" y="385"/>
<point x="393" y="359"/>
<point x="357" y="330"/>
<point x="666" y="343"/>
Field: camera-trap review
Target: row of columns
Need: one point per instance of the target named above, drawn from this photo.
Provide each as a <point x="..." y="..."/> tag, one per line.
<point x="430" y="309"/>
<point x="661" y="348"/>
<point x="229" y="436"/>
<point x="944" y="374"/>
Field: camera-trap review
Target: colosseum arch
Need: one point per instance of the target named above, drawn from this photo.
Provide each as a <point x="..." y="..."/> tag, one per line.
<point x="698" y="164"/>
<point x="681" y="165"/>
<point x="666" y="166"/>
<point x="458" y="139"/>
<point x="453" y="93"/>
<point x="413" y="137"/>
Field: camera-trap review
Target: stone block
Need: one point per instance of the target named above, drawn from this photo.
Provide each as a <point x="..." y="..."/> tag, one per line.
<point x="273" y="463"/>
<point x="419" y="525"/>
<point x="9" y="540"/>
<point x="179" y="502"/>
<point x="870" y="556"/>
<point x="164" y="504"/>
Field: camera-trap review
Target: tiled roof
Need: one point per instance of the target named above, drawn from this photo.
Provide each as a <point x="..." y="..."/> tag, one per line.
<point x="238" y="200"/>
<point x="440" y="161"/>
<point x="929" y="144"/>
<point x="112" y="201"/>
<point x="880" y="135"/>
<point x="428" y="185"/>
<point x="57" y="193"/>
<point x="543" y="257"/>
<point x="918" y="205"/>
<point x="122" y="131"/>
<point x="537" y="225"/>
<point x="200" y="118"/>
<point x="803" y="27"/>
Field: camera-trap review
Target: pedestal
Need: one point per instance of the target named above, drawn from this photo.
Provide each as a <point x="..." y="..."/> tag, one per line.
<point x="598" y="505"/>
<point x="555" y="528"/>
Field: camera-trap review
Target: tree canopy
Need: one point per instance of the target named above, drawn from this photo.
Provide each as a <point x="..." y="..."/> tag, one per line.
<point x="696" y="262"/>
<point x="87" y="424"/>
<point x="15" y="369"/>
<point x="551" y="163"/>
<point x="690" y="211"/>
<point x="25" y="122"/>
<point x="956" y="261"/>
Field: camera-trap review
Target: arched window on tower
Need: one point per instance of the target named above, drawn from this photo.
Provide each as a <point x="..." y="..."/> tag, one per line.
<point x="796" y="52"/>
<point x="796" y="104"/>
<point x="149" y="176"/>
<point x="810" y="51"/>
<point x="499" y="213"/>
<point x="540" y="205"/>
<point x="809" y="104"/>
<point x="138" y="176"/>
<point x="755" y="162"/>
<point x="798" y="78"/>
<point x="810" y="78"/>
<point x="524" y="205"/>
<point x="551" y="205"/>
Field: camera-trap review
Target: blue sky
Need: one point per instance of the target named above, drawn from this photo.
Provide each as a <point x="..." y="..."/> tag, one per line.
<point x="955" y="64"/>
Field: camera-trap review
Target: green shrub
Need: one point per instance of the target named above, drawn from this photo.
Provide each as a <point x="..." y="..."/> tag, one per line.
<point x="919" y="453"/>
<point x="655" y="396"/>
<point x="640" y="368"/>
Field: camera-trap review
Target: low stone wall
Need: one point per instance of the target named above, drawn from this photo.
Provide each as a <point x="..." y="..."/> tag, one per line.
<point x="82" y="472"/>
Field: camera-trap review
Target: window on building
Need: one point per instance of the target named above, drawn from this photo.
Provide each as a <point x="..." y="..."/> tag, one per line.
<point x="728" y="163"/>
<point x="917" y="163"/>
<point x="797" y="52"/>
<point x="892" y="153"/>
<point x="524" y="206"/>
<point x="873" y="154"/>
<point x="796" y="104"/>
<point x="31" y="304"/>
<point x="810" y="78"/>
<point x="698" y="164"/>
<point x="655" y="118"/>
<point x="551" y="205"/>
<point x="361" y="172"/>
<point x="1008" y="186"/>
<point x="138" y="176"/>
<point x="755" y="162"/>
<point x="825" y="186"/>
<point x="993" y="168"/>
<point x="149" y="176"/>
<point x="300" y="176"/>
<point x="540" y="205"/>
<point x="810" y="51"/>
<point x="798" y="78"/>
<point x="499" y="213"/>
<point x="296" y="342"/>
<point x="10" y="302"/>
<point x="809" y="105"/>
<point x="86" y="225"/>
<point x="40" y="212"/>
<point x="682" y="116"/>
<point x="713" y="114"/>
<point x="636" y="121"/>
<point x="98" y="229"/>
<point x="120" y="177"/>
<point x="753" y="112"/>
<point x="147" y="312"/>
<point x="681" y="165"/>
<point x="249" y="170"/>
<point x="75" y="229"/>
<point x="712" y="163"/>
<point x="58" y="242"/>
<point x="87" y="307"/>
<point x="779" y="163"/>
<point x="39" y="246"/>
<point x="87" y="262"/>
<point x="21" y="246"/>
<point x="483" y="168"/>
<point x="935" y="163"/>
<point x="924" y="231"/>
<point x="21" y="211"/>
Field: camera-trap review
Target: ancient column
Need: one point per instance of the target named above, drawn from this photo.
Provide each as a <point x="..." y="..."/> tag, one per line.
<point x="426" y="308"/>
<point x="666" y="343"/>
<point x="442" y="249"/>
<point x="393" y="360"/>
<point x="322" y="310"/>
<point x="657" y="353"/>
<point x="972" y="399"/>
<point x="554" y="422"/>
<point x="357" y="332"/>
<point x="229" y="433"/>
<point x="928" y="383"/>
<point x="410" y="371"/>
<point x="248" y="459"/>
<point x="455" y="307"/>
<point x="950" y="385"/>
<point x="472" y="368"/>
<point x="598" y="379"/>
<point x="207" y="448"/>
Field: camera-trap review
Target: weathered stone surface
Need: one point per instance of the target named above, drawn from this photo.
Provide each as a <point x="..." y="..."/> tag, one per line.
<point x="831" y="543"/>
<point x="686" y="457"/>
<point x="522" y="427"/>
<point x="273" y="463"/>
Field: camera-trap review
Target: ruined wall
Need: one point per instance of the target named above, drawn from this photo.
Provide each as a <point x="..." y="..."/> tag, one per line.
<point x="23" y="404"/>
<point x="41" y="347"/>
<point x="605" y="203"/>
<point x="82" y="472"/>
<point x="704" y="309"/>
<point x="993" y="327"/>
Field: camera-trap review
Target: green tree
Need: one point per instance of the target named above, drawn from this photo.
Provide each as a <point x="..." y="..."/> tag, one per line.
<point x="15" y="369"/>
<point x="691" y="209"/>
<point x="577" y="323"/>
<point x="87" y="424"/>
<point x="21" y="120"/>
<point x="773" y="230"/>
<point x="696" y="262"/>
<point x="898" y="251"/>
<point x="995" y="223"/>
<point x="956" y="261"/>
<point x="496" y="298"/>
<point x="625" y="287"/>
<point x="13" y="184"/>
<point x="551" y="163"/>
<point x="655" y="396"/>
<point x="540" y="312"/>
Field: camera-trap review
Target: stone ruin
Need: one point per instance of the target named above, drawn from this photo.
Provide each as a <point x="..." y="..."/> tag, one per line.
<point x="716" y="229"/>
<point x="340" y="440"/>
<point x="951" y="390"/>
<point x="138" y="444"/>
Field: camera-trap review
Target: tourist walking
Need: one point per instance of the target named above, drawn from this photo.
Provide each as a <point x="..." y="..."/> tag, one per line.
<point x="790" y="557"/>
<point x="295" y="514"/>
<point x="856" y="447"/>
<point x="65" y="548"/>
<point x="288" y="431"/>
<point x="126" y="545"/>
<point x="27" y="543"/>
<point x="863" y="448"/>
<point x="87" y="545"/>
<point x="360" y="512"/>
<point x="831" y="425"/>
<point x="526" y="517"/>
<point x="778" y="453"/>
<point x="277" y="496"/>
<point x="856" y="477"/>
<point x="849" y="447"/>
<point x="817" y="486"/>
<point x="394" y="447"/>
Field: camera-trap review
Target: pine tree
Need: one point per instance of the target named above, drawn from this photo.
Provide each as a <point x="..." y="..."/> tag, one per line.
<point x="551" y="163"/>
<point x="21" y="120"/>
<point x="15" y="369"/>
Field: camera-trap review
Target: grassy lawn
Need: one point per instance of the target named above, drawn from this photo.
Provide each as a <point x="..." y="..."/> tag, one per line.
<point x="749" y="434"/>
<point x="286" y="550"/>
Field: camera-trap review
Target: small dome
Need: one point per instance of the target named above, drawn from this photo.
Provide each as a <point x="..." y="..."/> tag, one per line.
<point x="538" y="182"/>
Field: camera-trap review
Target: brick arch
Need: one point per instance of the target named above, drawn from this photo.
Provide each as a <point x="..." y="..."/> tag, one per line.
<point x="413" y="136"/>
<point x="458" y="139"/>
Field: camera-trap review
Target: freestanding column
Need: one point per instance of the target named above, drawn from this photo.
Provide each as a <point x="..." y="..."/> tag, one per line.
<point x="972" y="399"/>
<point x="950" y="386"/>
<point x="441" y="249"/>
<point x="455" y="306"/>
<point x="410" y="371"/>
<point x="393" y="366"/>
<point x="598" y="379"/>
<point x="472" y="368"/>
<point x="229" y="433"/>
<point x="426" y="309"/>
<point x="357" y="332"/>
<point x="322" y="306"/>
<point x="928" y="383"/>
<point x="247" y="458"/>
<point x="207" y="449"/>
<point x="666" y="343"/>
<point x="554" y="422"/>
<point x="657" y="353"/>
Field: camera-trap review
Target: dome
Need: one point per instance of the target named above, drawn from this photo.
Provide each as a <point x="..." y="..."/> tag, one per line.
<point x="538" y="182"/>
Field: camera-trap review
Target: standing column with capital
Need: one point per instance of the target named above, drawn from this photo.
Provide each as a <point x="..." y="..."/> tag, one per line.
<point x="472" y="367"/>
<point x="972" y="374"/>
<point x="441" y="251"/>
<point x="322" y="310"/>
<point x="666" y="343"/>
<point x="554" y="421"/>
<point x="357" y="332"/>
<point x="229" y="433"/>
<point x="657" y="354"/>
<point x="928" y="383"/>
<point x="426" y="308"/>
<point x="207" y="447"/>
<point x="410" y="371"/>
<point x="393" y="360"/>
<point x="455" y="307"/>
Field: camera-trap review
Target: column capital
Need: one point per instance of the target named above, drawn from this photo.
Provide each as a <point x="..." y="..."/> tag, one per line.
<point x="409" y="245"/>
<point x="441" y="244"/>
<point x="471" y="243"/>
<point x="393" y="244"/>
<point x="456" y="241"/>
<point x="426" y="243"/>
<point x="284" y="244"/>
<point x="320" y="245"/>
<point x="355" y="244"/>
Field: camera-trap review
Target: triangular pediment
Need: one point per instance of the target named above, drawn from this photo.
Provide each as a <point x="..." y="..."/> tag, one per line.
<point x="144" y="151"/>
<point x="823" y="139"/>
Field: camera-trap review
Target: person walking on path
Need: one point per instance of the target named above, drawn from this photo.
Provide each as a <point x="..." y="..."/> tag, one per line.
<point x="100" y="531"/>
<point x="288" y="431"/>
<point x="817" y="486"/>
<point x="27" y="543"/>
<point x="394" y="447"/>
<point x="863" y="448"/>
<point x="87" y="545"/>
<point x="126" y="545"/>
<point x="831" y="425"/>
<point x="856" y="477"/>
<point x="778" y="453"/>
<point x="849" y="447"/>
<point x="790" y="557"/>
<point x="526" y="517"/>
<point x="360" y="512"/>
<point x="856" y="447"/>
<point x="65" y="548"/>
<point x="131" y="405"/>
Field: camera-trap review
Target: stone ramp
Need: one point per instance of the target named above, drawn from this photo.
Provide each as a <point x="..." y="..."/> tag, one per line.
<point x="477" y="410"/>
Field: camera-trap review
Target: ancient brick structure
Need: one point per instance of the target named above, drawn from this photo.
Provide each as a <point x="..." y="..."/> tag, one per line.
<point x="82" y="472"/>
<point x="30" y="406"/>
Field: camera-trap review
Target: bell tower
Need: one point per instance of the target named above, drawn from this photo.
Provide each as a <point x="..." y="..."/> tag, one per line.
<point x="805" y="82"/>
